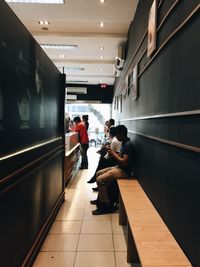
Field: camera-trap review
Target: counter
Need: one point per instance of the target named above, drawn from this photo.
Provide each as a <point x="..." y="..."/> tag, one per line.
<point x="72" y="155"/>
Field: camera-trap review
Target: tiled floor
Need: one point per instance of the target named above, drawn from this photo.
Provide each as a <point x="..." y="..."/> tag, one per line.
<point x="79" y="239"/>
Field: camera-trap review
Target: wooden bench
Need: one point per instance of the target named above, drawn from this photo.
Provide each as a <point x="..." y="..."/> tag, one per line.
<point x="149" y="241"/>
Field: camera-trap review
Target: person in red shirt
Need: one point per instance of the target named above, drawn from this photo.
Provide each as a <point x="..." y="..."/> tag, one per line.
<point x="81" y="129"/>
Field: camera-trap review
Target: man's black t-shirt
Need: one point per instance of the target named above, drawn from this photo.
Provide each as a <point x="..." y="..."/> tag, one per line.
<point x="127" y="149"/>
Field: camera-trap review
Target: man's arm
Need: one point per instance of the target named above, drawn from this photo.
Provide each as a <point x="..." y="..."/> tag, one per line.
<point x="122" y="161"/>
<point x="77" y="128"/>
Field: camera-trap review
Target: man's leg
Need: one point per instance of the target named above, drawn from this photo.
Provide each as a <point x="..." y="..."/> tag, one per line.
<point x="104" y="179"/>
<point x="84" y="163"/>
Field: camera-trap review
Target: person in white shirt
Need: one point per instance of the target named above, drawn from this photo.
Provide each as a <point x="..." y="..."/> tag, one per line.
<point x="107" y="160"/>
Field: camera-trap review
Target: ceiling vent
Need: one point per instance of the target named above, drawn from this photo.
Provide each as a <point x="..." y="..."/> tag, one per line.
<point x="76" y="90"/>
<point x="120" y="59"/>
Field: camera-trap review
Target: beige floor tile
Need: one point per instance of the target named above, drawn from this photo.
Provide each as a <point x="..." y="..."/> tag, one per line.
<point x="115" y="217"/>
<point x="116" y="228"/>
<point x="70" y="215"/>
<point x="60" y="242"/>
<point x="66" y="227"/>
<point x="121" y="260"/>
<point x="95" y="259"/>
<point x="79" y="197"/>
<point x="119" y="242"/>
<point x="55" y="259"/>
<point x="94" y="242"/>
<point x="73" y="206"/>
<point x="89" y="207"/>
<point x="97" y="227"/>
<point x="89" y="217"/>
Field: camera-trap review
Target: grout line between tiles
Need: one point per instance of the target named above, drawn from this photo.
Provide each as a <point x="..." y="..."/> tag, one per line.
<point x="113" y="242"/>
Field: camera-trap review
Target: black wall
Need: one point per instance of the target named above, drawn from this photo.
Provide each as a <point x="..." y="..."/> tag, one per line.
<point x="164" y="122"/>
<point x="95" y="93"/>
<point x="31" y="118"/>
<point x="29" y="95"/>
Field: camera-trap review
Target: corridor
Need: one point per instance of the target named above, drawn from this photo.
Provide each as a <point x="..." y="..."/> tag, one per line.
<point x="79" y="239"/>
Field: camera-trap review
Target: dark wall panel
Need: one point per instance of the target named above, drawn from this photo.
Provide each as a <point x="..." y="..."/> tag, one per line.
<point x="31" y="113"/>
<point x="24" y="207"/>
<point x="170" y="177"/>
<point x="29" y="88"/>
<point x="164" y="121"/>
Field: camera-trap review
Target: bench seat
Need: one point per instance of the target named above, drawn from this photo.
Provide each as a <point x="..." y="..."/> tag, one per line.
<point x="149" y="241"/>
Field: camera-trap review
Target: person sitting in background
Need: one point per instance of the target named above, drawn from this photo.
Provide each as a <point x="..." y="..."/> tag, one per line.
<point x="109" y="124"/>
<point x="107" y="160"/>
<point x="80" y="128"/>
<point x="85" y="119"/>
<point x="107" y="127"/>
<point x="107" y="176"/>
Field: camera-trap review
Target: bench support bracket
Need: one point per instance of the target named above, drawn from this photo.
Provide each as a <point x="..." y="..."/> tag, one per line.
<point x="132" y="254"/>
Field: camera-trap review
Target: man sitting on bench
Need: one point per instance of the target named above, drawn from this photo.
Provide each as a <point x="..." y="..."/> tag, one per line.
<point x="107" y="176"/>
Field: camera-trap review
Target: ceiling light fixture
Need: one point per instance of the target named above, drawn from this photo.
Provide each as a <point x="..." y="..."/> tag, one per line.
<point x="101" y="48"/>
<point x="61" y="56"/>
<point x="101" y="24"/>
<point x="102" y="1"/>
<point x="59" y="46"/>
<point x="102" y="57"/>
<point x="43" y="22"/>
<point x="73" y="69"/>
<point x="36" y="1"/>
<point x="76" y="81"/>
<point x="101" y="69"/>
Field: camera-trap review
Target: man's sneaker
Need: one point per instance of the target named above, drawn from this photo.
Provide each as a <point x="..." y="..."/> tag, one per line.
<point x="94" y="202"/>
<point x="92" y="180"/>
<point x="103" y="208"/>
<point x="82" y="168"/>
<point x="100" y="211"/>
<point x="95" y="189"/>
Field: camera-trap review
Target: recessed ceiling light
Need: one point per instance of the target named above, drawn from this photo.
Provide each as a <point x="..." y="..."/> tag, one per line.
<point x="101" y="57"/>
<point x="59" y="46"/>
<point x="101" y="24"/>
<point x="43" y="22"/>
<point x="101" y="69"/>
<point x="101" y="48"/>
<point x="36" y="1"/>
<point x="102" y="1"/>
<point x="61" y="56"/>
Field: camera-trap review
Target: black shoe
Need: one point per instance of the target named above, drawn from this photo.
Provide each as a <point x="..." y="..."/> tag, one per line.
<point x="82" y="168"/>
<point x="92" y="180"/>
<point x="103" y="208"/>
<point x="95" y="189"/>
<point x="94" y="202"/>
<point x="100" y="211"/>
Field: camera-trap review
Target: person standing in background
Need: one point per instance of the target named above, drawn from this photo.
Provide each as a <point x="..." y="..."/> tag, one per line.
<point x="85" y="120"/>
<point x="81" y="129"/>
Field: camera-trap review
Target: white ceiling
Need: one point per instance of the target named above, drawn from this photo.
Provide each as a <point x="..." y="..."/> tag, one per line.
<point x="77" y="23"/>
